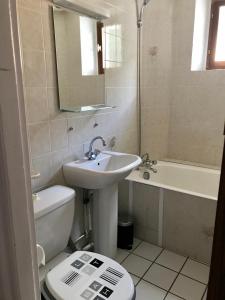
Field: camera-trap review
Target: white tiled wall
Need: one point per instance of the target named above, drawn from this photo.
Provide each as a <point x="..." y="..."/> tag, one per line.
<point x="156" y="66"/>
<point x="51" y="144"/>
<point x="197" y="100"/>
<point x="183" y="111"/>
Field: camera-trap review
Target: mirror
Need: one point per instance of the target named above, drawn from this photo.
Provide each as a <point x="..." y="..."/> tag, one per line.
<point x="79" y="58"/>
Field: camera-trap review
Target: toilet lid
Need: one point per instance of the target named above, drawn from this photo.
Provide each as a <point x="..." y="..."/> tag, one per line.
<point x="89" y="276"/>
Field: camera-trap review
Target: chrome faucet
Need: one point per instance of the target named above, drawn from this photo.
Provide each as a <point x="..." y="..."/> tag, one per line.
<point x="92" y="154"/>
<point x="148" y="163"/>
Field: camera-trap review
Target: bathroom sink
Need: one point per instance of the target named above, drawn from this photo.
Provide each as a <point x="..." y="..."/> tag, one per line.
<point x="108" y="168"/>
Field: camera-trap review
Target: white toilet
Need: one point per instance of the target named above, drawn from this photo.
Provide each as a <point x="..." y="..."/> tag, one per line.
<point x="81" y="275"/>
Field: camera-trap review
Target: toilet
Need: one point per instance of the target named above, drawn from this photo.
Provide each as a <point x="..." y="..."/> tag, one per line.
<point x="82" y="275"/>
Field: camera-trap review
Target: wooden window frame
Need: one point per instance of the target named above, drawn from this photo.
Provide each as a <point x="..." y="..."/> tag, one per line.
<point x="100" y="26"/>
<point x="211" y="63"/>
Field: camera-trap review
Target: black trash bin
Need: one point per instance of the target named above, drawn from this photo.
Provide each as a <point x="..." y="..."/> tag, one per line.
<point x="125" y="232"/>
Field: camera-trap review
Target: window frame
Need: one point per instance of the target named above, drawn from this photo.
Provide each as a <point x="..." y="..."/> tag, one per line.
<point x="101" y="69"/>
<point x="213" y="30"/>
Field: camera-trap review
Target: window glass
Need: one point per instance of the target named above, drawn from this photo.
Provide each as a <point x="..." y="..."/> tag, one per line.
<point x="220" y="42"/>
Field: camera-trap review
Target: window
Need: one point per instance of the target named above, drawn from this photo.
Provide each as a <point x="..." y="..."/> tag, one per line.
<point x="91" y="46"/>
<point x="216" y="46"/>
<point x="112" y="54"/>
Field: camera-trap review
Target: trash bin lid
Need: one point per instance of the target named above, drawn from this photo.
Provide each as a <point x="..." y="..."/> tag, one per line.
<point x="125" y="221"/>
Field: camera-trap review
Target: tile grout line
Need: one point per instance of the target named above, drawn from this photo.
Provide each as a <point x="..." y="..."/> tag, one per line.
<point x="164" y="266"/>
<point x="154" y="262"/>
<point x="130" y="252"/>
<point x="205" y="292"/>
<point x="178" y="273"/>
<point x="188" y="258"/>
<point x="206" y="284"/>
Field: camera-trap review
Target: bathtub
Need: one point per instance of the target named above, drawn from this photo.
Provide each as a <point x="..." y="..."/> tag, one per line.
<point x="193" y="180"/>
<point x="175" y="208"/>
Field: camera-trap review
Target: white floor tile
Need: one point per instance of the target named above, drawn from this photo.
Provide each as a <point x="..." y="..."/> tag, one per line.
<point x="187" y="288"/>
<point x="135" y="244"/>
<point x="136" y="265"/>
<point x="171" y="260"/>
<point x="160" y="276"/>
<point x="121" y="255"/>
<point x="148" y="251"/>
<point x="147" y="291"/>
<point x="135" y="279"/>
<point x="196" y="271"/>
<point x="172" y="297"/>
<point x="204" y="298"/>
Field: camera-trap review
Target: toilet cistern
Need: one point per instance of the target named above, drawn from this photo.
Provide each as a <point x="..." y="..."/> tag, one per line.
<point x="92" y="154"/>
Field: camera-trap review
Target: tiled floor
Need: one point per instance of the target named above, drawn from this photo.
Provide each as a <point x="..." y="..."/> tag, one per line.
<point x="160" y="274"/>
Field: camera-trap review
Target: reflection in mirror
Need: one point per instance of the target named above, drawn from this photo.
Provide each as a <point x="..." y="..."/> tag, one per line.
<point x="112" y="46"/>
<point x="78" y="42"/>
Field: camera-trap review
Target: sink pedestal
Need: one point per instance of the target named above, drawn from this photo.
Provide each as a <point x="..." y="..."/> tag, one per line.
<point x="105" y="220"/>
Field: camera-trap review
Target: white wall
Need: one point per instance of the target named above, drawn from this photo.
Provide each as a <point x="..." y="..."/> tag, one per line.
<point x="156" y="67"/>
<point x="183" y="111"/>
<point x="197" y="98"/>
<point x="50" y="142"/>
<point x="183" y="119"/>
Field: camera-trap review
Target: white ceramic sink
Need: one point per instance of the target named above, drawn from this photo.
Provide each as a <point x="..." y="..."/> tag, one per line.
<point x="108" y="168"/>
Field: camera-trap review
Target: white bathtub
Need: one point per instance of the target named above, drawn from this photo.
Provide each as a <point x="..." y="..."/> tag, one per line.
<point x="192" y="180"/>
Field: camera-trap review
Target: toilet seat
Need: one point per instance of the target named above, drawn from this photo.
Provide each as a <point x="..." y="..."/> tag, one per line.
<point x="88" y="276"/>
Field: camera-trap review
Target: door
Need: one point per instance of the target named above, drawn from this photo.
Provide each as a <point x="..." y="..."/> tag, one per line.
<point x="216" y="290"/>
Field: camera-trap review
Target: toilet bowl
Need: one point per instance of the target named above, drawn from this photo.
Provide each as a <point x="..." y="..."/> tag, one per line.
<point x="81" y="275"/>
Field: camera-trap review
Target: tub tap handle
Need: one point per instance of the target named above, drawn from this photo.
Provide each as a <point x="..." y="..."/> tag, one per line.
<point x="146" y="161"/>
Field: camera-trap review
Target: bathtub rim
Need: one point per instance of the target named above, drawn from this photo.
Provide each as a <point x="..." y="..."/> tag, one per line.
<point x="134" y="178"/>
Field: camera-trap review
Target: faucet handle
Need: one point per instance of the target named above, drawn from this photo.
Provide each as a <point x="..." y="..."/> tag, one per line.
<point x="154" y="170"/>
<point x="93" y="154"/>
<point x="96" y="152"/>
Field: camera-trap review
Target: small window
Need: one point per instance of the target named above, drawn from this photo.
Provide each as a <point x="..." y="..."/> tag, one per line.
<point x="216" y="46"/>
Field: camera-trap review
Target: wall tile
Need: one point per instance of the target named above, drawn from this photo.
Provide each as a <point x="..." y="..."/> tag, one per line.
<point x="37" y="104"/>
<point x="31" y="29"/>
<point x="39" y="135"/>
<point x="42" y="165"/>
<point x="34" y="4"/>
<point x="48" y="29"/>
<point x="43" y="115"/>
<point x="34" y="69"/>
<point x="53" y="105"/>
<point x="192" y="129"/>
<point x="51" y="69"/>
<point x="59" y="134"/>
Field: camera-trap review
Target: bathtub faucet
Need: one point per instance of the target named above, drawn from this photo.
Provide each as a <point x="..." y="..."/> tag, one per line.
<point x="148" y="163"/>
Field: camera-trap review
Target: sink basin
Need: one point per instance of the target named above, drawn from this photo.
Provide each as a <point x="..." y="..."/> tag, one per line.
<point x="108" y="168"/>
<point x="102" y="176"/>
